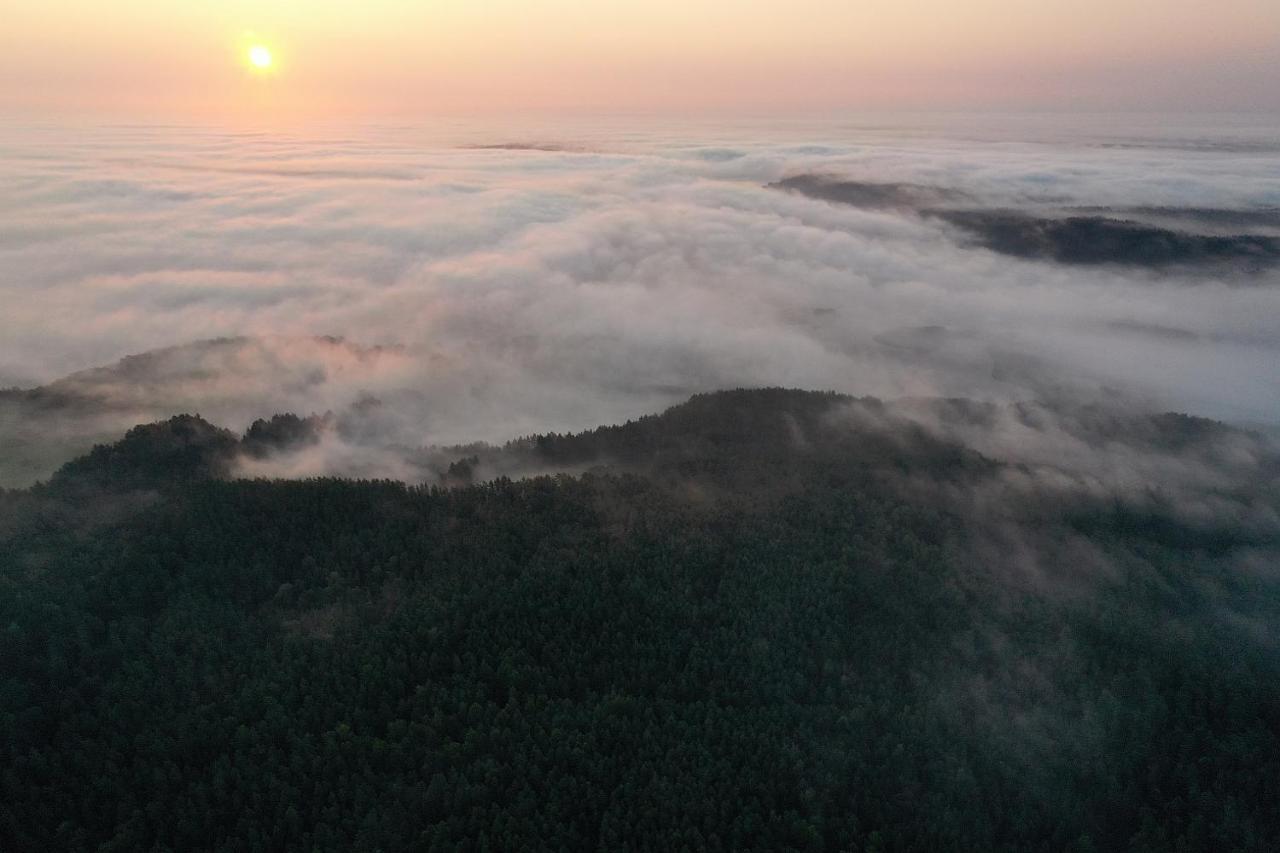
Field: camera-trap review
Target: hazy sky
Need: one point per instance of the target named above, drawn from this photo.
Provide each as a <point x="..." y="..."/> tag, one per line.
<point x="418" y="57"/>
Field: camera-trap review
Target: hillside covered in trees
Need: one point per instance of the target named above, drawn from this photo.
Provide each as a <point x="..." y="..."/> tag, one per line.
<point x="762" y="620"/>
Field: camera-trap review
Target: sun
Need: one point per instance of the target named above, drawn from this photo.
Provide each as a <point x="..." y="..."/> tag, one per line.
<point x="260" y="57"/>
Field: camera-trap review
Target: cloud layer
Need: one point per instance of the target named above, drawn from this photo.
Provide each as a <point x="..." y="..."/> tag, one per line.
<point x="598" y="273"/>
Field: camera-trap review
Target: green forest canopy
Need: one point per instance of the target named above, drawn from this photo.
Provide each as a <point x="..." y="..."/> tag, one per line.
<point x="769" y="619"/>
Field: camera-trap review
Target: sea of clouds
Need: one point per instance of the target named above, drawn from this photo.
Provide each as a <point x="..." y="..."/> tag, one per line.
<point x="489" y="281"/>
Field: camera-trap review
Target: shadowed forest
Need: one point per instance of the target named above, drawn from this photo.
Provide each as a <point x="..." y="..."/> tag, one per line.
<point x="771" y="620"/>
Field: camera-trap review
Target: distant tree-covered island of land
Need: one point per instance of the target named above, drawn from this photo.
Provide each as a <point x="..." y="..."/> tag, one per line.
<point x="761" y="620"/>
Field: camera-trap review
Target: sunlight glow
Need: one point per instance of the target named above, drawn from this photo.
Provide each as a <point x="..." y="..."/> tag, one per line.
<point x="334" y="58"/>
<point x="260" y="57"/>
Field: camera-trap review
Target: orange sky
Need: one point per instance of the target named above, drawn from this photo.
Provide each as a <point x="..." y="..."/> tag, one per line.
<point x="185" y="58"/>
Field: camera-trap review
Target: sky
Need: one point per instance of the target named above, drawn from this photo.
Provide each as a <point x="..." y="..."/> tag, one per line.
<point x="186" y="60"/>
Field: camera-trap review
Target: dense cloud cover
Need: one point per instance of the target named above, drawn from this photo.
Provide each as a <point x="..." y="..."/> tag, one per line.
<point x="486" y="283"/>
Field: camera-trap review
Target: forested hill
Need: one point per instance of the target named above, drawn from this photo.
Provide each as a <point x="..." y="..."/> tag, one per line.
<point x="762" y="620"/>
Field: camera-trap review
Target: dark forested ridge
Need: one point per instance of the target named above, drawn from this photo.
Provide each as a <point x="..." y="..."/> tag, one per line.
<point x="1152" y="237"/>
<point x="770" y="620"/>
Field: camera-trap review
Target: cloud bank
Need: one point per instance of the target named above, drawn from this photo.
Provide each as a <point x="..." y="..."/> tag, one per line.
<point x="483" y="289"/>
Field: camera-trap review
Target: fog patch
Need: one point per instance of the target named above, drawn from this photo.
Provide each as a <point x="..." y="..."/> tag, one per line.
<point x="900" y="196"/>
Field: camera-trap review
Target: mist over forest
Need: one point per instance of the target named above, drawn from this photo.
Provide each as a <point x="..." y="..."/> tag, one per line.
<point x="886" y="485"/>
<point x="559" y="277"/>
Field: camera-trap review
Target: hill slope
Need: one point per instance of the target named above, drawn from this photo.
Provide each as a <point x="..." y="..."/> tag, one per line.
<point x="761" y="620"/>
<point x="225" y="378"/>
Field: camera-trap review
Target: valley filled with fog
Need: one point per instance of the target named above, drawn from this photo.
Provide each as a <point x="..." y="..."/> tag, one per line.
<point x="458" y="282"/>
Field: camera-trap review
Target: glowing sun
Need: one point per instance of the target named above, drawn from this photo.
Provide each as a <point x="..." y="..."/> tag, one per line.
<point x="260" y="57"/>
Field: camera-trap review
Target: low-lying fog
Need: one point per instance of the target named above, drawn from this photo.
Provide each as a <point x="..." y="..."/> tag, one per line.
<point x="463" y="282"/>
